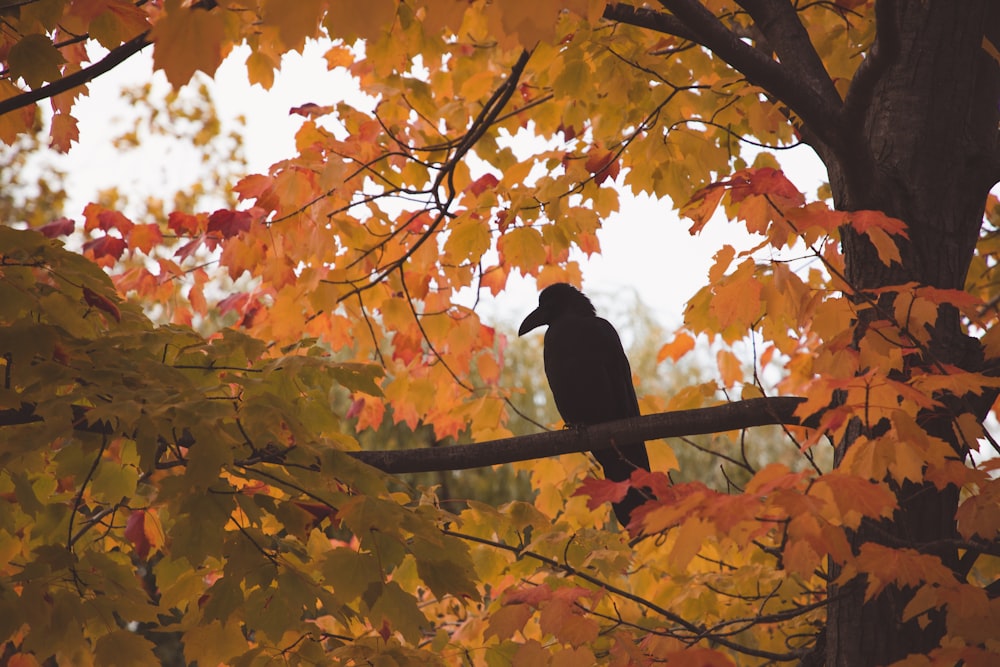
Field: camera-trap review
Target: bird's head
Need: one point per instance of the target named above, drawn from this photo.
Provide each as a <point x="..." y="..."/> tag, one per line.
<point x="554" y="302"/>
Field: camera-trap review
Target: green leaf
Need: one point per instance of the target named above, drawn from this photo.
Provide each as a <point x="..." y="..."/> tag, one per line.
<point x="35" y="59"/>
<point x="399" y="610"/>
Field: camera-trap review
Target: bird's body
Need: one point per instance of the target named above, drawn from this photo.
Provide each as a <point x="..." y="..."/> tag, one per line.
<point x="590" y="378"/>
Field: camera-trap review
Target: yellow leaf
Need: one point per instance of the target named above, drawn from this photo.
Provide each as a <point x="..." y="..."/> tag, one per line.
<point x="690" y="537"/>
<point x="186" y="40"/>
<point x="214" y="643"/>
<point x="260" y="70"/>
<point x="121" y="21"/>
<point x="344" y="19"/>
<point x="468" y="240"/>
<point x="296" y="21"/>
<point x="522" y="248"/>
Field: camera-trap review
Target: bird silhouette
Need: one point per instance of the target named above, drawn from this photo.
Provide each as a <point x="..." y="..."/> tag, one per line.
<point x="590" y="378"/>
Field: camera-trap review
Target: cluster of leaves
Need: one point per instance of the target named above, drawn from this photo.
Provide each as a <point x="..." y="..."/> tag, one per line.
<point x="217" y="468"/>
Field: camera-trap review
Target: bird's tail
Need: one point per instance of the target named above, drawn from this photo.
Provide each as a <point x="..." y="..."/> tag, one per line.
<point x="618" y="464"/>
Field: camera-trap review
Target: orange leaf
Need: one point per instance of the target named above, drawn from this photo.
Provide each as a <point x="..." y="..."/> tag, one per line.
<point x="730" y="368"/>
<point x="691" y="535"/>
<point x="188" y="39"/>
<point x="902" y="567"/>
<point x="677" y="348"/>
<point x="702" y="206"/>
<point x="144" y="237"/>
<point x="507" y="620"/>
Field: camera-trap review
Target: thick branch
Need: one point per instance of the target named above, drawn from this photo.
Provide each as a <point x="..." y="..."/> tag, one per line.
<point x="689" y="19"/>
<point x="727" y="417"/>
<point x="780" y="24"/>
<point x="644" y="17"/>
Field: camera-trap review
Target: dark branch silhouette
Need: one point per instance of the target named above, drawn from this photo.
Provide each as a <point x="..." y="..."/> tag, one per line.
<point x="717" y="419"/>
<point x="115" y="57"/>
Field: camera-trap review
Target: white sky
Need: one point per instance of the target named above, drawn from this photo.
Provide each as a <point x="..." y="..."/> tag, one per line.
<point x="645" y="246"/>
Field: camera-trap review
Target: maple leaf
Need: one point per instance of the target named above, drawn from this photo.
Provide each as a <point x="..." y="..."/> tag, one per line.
<point x="105" y="248"/>
<point x="188" y="39"/>
<point x="763" y="181"/>
<point x="507" y="620"/>
<point x="603" y="165"/>
<point x="101" y="302"/>
<point x="35" y="59"/>
<point x="229" y="223"/>
<point x="185" y="223"/>
<point x="677" y="348"/>
<point x="58" y="227"/>
<point x="600" y="491"/>
<point x="144" y="237"/>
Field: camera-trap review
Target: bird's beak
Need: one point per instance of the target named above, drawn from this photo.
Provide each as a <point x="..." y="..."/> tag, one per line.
<point x="535" y="319"/>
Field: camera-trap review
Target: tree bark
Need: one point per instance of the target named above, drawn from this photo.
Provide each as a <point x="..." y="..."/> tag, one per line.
<point x="916" y="137"/>
<point x="922" y="146"/>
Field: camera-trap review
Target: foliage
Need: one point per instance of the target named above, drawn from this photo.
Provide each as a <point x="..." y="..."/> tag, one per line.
<point x="217" y="465"/>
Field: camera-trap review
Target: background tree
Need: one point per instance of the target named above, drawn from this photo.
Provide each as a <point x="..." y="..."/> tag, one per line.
<point x="217" y="464"/>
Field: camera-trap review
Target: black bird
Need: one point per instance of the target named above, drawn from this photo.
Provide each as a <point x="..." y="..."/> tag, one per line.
<point x="590" y="378"/>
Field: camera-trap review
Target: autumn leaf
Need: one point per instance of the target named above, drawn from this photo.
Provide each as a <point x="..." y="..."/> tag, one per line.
<point x="105" y="249"/>
<point x="600" y="491"/>
<point x="188" y="39"/>
<point x="35" y="59"/>
<point x="674" y="350"/>
<point x="228" y="223"/>
<point x="58" y="227"/>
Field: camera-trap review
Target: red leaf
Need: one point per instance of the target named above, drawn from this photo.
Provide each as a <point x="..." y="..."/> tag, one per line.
<point x="318" y="511"/>
<point x="136" y="534"/>
<point x="310" y="110"/>
<point x="230" y="223"/>
<point x="105" y="246"/>
<point x="763" y="181"/>
<point x="184" y="223"/>
<point x="482" y="184"/>
<point x="114" y="220"/>
<point x="101" y="302"/>
<point x="600" y="491"/>
<point x="569" y="133"/>
<point x="58" y="227"/>
<point x="237" y="301"/>
<point x="253" y="186"/>
<point x="603" y="165"/>
<point x="189" y="248"/>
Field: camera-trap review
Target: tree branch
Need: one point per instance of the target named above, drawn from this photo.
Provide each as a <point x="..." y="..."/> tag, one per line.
<point x="689" y="19"/>
<point x="778" y="21"/>
<point x="644" y="17"/>
<point x="726" y="417"/>
<point x="115" y="57"/>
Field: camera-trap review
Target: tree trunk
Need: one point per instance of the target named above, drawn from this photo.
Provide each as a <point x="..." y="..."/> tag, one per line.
<point x="923" y="148"/>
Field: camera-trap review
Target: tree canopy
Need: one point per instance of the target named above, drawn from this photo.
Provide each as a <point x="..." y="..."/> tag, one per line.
<point x="182" y="392"/>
